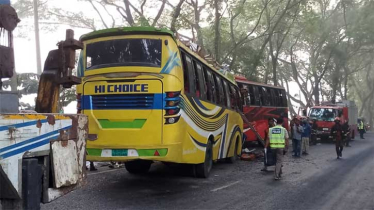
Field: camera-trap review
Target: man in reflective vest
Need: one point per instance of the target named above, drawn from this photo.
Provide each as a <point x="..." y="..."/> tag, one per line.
<point x="361" y="128"/>
<point x="278" y="141"/>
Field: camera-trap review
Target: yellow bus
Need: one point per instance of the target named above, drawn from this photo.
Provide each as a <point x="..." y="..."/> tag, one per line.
<point x="150" y="98"/>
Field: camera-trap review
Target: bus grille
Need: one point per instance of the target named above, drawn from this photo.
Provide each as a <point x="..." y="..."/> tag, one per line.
<point x="133" y="101"/>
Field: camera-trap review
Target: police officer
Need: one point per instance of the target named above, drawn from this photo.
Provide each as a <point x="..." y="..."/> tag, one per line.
<point x="361" y="128"/>
<point x="271" y="123"/>
<point x="278" y="141"/>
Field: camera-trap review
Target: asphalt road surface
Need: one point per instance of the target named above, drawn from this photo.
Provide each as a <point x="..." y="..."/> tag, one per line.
<point x="316" y="181"/>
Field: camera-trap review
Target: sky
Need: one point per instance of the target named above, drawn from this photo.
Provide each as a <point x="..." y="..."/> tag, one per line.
<point x="25" y="50"/>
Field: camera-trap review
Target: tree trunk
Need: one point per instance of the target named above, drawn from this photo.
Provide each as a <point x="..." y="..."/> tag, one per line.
<point x="346" y="75"/>
<point x="130" y="19"/>
<point x="176" y="14"/>
<point x="217" y="37"/>
<point x="274" y="66"/>
<point x="316" y="89"/>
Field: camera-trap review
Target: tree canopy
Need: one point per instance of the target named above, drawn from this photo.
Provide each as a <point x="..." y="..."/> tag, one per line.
<point x="325" y="47"/>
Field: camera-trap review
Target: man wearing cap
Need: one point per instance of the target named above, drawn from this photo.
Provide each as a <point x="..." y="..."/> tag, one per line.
<point x="278" y="141"/>
<point x="337" y="133"/>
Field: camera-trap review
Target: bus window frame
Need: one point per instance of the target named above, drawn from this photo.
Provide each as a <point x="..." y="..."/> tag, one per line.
<point x="200" y="79"/>
<point x="226" y="93"/>
<point x="218" y="83"/>
<point x="210" y="87"/>
<point x="275" y="97"/>
<point x="284" y="98"/>
<point x="218" y="80"/>
<point x="257" y="96"/>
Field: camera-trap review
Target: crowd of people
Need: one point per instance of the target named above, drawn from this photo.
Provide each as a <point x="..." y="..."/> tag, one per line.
<point x="303" y="133"/>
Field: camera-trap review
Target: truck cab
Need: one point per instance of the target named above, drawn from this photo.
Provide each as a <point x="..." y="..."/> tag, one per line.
<point x="325" y="114"/>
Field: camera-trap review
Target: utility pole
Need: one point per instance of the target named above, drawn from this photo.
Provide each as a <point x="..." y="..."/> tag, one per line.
<point x="37" y="38"/>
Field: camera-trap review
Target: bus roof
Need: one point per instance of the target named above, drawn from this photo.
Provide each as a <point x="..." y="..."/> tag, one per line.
<point x="125" y="31"/>
<point x="151" y="30"/>
<point x="243" y="80"/>
<point x="230" y="77"/>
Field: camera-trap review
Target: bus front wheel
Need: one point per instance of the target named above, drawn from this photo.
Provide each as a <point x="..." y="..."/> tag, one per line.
<point x="203" y="170"/>
<point x="138" y="166"/>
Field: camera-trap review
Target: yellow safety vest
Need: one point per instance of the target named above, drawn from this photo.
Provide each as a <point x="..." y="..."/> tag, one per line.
<point x="361" y="126"/>
<point x="276" y="136"/>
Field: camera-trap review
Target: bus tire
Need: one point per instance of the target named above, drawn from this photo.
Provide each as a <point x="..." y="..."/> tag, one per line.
<point x="138" y="166"/>
<point x="203" y="170"/>
<point x="234" y="158"/>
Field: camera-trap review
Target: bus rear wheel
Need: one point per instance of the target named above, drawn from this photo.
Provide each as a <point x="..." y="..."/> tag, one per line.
<point x="203" y="170"/>
<point x="138" y="166"/>
<point x="235" y="157"/>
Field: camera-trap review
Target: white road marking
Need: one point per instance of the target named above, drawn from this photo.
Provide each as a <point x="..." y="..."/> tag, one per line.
<point x="226" y="186"/>
<point x="102" y="172"/>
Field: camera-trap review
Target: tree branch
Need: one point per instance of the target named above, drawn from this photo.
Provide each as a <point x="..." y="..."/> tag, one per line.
<point x="159" y="13"/>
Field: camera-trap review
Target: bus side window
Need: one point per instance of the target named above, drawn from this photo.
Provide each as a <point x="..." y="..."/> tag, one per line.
<point x="246" y="94"/>
<point x="219" y="90"/>
<point x="231" y="96"/>
<point x="185" y="73"/>
<point x="257" y="96"/>
<point x="188" y="74"/>
<point x="274" y="95"/>
<point x="270" y="96"/>
<point x="280" y="98"/>
<point x="265" y="98"/>
<point x="251" y="93"/>
<point x="199" y="81"/>
<point x="239" y="99"/>
<point x="211" y="93"/>
<point x="234" y="97"/>
<point x="226" y="94"/>
<point x="284" y="98"/>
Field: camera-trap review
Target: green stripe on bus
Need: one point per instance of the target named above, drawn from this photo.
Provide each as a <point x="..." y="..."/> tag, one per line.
<point x="151" y="152"/>
<point x="138" y="123"/>
<point x="94" y="152"/>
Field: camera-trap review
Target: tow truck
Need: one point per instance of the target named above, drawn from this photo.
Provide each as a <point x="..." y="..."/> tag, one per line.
<point x="325" y="114"/>
<point x="42" y="154"/>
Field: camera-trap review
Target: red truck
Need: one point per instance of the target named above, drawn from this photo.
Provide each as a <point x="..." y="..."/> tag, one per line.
<point x="326" y="113"/>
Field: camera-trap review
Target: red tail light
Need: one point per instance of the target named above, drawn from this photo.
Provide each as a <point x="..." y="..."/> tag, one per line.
<point x="172" y="94"/>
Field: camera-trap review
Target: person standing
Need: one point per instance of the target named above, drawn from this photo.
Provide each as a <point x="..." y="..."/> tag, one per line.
<point x="305" y="137"/>
<point x="361" y="128"/>
<point x="346" y="133"/>
<point x="337" y="133"/>
<point x="292" y="123"/>
<point x="297" y="130"/>
<point x="278" y="141"/>
<point x="271" y="123"/>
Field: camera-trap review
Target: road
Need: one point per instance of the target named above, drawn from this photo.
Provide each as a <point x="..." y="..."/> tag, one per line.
<point x="316" y="181"/>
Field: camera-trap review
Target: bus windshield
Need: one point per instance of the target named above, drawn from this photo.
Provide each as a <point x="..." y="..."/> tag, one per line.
<point x="322" y="114"/>
<point x="124" y="52"/>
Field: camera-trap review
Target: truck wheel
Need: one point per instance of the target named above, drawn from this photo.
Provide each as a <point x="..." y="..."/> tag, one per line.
<point x="235" y="157"/>
<point x="203" y="170"/>
<point x="138" y="166"/>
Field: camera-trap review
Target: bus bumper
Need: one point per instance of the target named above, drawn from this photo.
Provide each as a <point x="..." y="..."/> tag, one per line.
<point x="164" y="153"/>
